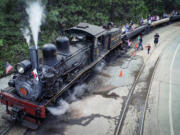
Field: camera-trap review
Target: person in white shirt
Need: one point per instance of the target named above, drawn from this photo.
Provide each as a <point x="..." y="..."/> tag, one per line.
<point x="149" y="24"/>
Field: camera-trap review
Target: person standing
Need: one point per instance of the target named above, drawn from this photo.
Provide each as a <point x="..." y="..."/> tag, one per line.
<point x="149" y="25"/>
<point x="142" y="21"/>
<point x="149" y="20"/>
<point x="140" y="40"/>
<point x="129" y="44"/>
<point x="149" y="16"/>
<point x="131" y="25"/>
<point x="127" y="28"/>
<point x="148" y="49"/>
<point x="156" y="39"/>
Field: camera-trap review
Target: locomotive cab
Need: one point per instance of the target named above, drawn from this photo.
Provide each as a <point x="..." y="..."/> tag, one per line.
<point x="92" y="35"/>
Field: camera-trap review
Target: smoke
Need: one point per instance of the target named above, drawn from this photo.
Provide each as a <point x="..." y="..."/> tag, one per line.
<point x="63" y="105"/>
<point x="78" y="92"/>
<point x="36" y="16"/>
<point x="99" y="67"/>
<point x="27" y="35"/>
<point x="62" y="108"/>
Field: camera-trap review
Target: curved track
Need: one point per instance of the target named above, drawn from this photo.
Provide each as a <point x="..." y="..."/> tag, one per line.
<point x="147" y="97"/>
<point x="127" y="102"/>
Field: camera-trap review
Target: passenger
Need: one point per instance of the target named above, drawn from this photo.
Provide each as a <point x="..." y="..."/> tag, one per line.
<point x="131" y="26"/>
<point x="127" y="28"/>
<point x="140" y="39"/>
<point x="156" y="39"/>
<point x="123" y="30"/>
<point x="129" y="43"/>
<point x="142" y="21"/>
<point x="165" y="15"/>
<point x="173" y="13"/>
<point x="158" y="18"/>
<point x="149" y="17"/>
<point x="149" y="25"/>
<point x="148" y="49"/>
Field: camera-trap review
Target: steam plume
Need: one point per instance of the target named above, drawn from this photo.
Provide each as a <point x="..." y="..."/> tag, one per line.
<point x="27" y="35"/>
<point x="35" y="11"/>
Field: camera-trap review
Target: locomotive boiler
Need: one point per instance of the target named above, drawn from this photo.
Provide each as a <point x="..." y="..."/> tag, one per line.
<point x="60" y="63"/>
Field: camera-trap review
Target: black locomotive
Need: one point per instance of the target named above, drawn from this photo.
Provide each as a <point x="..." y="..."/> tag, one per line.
<point x="36" y="84"/>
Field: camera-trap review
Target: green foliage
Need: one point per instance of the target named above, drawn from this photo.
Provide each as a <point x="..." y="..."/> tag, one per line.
<point x="62" y="14"/>
<point x="1" y="43"/>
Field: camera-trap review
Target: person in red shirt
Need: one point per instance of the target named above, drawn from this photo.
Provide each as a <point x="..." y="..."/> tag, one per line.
<point x="148" y="49"/>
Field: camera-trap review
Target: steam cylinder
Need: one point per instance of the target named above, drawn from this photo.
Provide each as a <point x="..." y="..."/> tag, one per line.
<point x="62" y="44"/>
<point x="49" y="54"/>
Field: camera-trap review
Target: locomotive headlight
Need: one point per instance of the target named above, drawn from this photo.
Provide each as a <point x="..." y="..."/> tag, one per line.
<point x="20" y="69"/>
<point x="23" y="66"/>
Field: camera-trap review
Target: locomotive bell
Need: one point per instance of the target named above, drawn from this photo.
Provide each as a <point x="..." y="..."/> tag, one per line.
<point x="62" y="44"/>
<point x="49" y="54"/>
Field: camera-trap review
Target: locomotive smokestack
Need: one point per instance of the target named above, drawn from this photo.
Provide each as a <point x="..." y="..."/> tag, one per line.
<point x="34" y="57"/>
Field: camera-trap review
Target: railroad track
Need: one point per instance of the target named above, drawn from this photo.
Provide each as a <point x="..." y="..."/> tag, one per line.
<point x="5" y="130"/>
<point x="8" y="129"/>
<point x="129" y="98"/>
<point x="125" y="108"/>
<point x="147" y="98"/>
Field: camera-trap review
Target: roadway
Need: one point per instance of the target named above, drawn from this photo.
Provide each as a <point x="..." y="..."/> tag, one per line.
<point x="163" y="111"/>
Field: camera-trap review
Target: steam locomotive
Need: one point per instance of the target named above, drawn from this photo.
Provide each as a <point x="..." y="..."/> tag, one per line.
<point x="37" y="84"/>
<point x="63" y="64"/>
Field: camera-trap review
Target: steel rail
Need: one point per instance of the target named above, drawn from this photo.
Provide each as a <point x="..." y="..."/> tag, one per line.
<point x="123" y="113"/>
<point x="6" y="130"/>
<point x="125" y="107"/>
<point x="147" y="97"/>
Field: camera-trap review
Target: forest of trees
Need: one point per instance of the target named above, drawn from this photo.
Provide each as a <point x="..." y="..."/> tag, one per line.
<point x="66" y="13"/>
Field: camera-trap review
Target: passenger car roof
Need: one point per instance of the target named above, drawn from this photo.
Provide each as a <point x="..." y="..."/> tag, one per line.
<point x="93" y="30"/>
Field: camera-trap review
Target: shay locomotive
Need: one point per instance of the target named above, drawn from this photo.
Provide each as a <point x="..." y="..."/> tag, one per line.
<point x="74" y="54"/>
<point x="37" y="84"/>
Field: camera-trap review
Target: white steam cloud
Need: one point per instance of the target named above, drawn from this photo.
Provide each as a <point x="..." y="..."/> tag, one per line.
<point x="99" y="67"/>
<point x="78" y="91"/>
<point x="36" y="16"/>
<point x="60" y="109"/>
<point x="27" y="35"/>
<point x="63" y="105"/>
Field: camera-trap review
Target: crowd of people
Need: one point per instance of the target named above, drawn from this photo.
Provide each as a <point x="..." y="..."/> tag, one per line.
<point x="140" y="45"/>
<point x="129" y="27"/>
